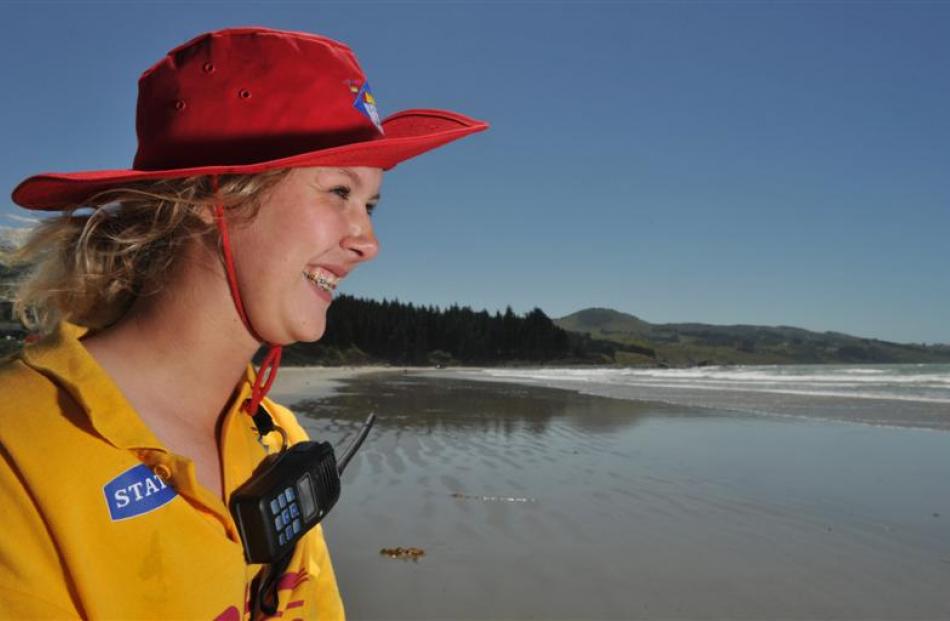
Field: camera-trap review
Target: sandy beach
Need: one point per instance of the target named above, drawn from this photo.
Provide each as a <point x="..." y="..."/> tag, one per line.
<point x="538" y="503"/>
<point x="295" y="384"/>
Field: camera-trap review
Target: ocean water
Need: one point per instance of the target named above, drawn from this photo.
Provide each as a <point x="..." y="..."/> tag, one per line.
<point x="903" y="395"/>
<point x="540" y="503"/>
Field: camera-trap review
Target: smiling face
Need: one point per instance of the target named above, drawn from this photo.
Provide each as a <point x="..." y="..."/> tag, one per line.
<point x="312" y="229"/>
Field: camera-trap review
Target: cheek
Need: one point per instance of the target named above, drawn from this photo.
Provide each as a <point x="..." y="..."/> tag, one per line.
<point x="268" y="239"/>
<point x="283" y="244"/>
<point x="321" y="232"/>
<point x="250" y="241"/>
<point x="262" y="261"/>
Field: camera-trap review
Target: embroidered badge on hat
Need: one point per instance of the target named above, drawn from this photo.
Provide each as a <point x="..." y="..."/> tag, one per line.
<point x="366" y="103"/>
<point x="136" y="491"/>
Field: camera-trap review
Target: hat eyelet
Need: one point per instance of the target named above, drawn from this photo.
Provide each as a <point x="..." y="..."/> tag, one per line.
<point x="180" y="105"/>
<point x="208" y="67"/>
<point x="244" y="93"/>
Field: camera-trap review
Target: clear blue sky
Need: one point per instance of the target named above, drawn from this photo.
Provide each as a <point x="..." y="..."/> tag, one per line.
<point x="724" y="162"/>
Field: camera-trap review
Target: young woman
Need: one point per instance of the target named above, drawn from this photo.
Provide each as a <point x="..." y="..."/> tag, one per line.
<point x="126" y="428"/>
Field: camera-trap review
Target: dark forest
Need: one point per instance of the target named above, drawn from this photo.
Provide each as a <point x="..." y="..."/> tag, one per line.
<point x="361" y="331"/>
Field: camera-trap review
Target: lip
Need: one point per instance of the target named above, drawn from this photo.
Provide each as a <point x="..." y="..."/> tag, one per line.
<point x="337" y="270"/>
<point x="326" y="296"/>
<point x="323" y="294"/>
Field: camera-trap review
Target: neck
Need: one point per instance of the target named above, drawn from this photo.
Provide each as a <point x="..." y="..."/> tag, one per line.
<point x="179" y="354"/>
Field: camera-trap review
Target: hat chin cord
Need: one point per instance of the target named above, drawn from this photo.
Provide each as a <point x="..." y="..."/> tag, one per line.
<point x="268" y="371"/>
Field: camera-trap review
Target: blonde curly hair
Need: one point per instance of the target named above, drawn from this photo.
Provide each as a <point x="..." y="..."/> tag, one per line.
<point x="90" y="263"/>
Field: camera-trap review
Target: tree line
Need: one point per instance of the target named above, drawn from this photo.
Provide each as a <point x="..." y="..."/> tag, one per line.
<point x="362" y="331"/>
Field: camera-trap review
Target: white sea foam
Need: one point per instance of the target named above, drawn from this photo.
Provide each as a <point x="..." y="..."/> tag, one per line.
<point x="927" y="383"/>
<point x="917" y="394"/>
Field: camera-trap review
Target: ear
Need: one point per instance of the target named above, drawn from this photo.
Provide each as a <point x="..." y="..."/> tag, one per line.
<point x="206" y="213"/>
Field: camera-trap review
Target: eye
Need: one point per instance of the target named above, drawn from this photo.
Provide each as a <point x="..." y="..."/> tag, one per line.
<point x="370" y="208"/>
<point x="342" y="191"/>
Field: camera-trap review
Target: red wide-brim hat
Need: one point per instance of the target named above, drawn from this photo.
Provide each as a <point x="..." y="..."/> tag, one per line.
<point x="248" y="100"/>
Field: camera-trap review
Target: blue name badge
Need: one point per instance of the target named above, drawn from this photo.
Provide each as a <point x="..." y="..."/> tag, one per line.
<point x="136" y="491"/>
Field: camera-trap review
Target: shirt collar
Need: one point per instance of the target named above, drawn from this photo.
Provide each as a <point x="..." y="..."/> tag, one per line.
<point x="63" y="358"/>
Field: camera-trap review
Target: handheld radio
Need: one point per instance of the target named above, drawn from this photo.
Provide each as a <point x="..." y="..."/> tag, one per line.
<point x="288" y="495"/>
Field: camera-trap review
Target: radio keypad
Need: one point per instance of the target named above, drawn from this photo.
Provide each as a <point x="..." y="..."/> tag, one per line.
<point x="286" y="514"/>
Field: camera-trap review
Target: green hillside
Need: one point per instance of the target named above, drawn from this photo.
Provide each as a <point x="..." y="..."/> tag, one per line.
<point x="697" y="343"/>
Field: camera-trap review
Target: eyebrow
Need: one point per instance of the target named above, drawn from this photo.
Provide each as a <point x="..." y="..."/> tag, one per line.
<point x="356" y="181"/>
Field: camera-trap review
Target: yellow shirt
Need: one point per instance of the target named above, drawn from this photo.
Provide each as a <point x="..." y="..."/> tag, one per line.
<point x="101" y="521"/>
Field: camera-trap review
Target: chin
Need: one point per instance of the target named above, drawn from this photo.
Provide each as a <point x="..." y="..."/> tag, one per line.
<point x="309" y="333"/>
<point x="296" y="325"/>
<point x="304" y="332"/>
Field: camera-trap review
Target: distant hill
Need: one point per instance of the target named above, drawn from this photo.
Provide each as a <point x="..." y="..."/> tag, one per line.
<point x="698" y="343"/>
<point x="12" y="238"/>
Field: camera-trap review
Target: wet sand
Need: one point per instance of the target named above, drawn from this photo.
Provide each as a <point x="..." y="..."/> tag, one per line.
<point x="295" y="384"/>
<point x="538" y="503"/>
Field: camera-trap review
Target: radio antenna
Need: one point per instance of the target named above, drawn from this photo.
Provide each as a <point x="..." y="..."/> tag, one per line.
<point x="355" y="444"/>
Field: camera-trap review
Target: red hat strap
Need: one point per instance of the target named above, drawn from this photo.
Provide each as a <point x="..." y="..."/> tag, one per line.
<point x="268" y="371"/>
<point x="228" y="258"/>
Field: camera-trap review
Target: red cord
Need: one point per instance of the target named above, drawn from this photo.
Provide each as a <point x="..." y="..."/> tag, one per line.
<point x="266" y="375"/>
<point x="268" y="371"/>
<point x="228" y="258"/>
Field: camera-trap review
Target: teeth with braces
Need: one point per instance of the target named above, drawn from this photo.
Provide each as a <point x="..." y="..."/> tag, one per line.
<point x="326" y="282"/>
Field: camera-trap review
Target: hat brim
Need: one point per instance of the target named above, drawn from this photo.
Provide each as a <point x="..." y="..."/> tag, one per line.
<point x="406" y="134"/>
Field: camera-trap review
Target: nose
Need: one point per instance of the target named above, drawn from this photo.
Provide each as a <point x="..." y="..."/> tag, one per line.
<point x="361" y="243"/>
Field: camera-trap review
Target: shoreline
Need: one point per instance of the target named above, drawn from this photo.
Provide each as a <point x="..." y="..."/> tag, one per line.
<point x="874" y="411"/>
<point x="302" y="383"/>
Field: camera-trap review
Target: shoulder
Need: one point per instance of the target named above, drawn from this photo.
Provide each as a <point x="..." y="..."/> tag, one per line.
<point x="30" y="399"/>
<point x="18" y="379"/>
<point x="31" y="582"/>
